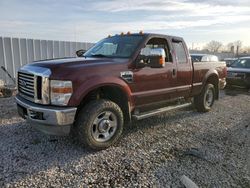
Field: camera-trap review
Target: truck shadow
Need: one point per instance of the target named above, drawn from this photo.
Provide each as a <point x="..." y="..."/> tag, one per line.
<point x="158" y="120"/>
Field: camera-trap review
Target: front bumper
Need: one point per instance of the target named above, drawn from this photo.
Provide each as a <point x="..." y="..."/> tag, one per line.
<point x="238" y="78"/>
<point x="48" y="119"/>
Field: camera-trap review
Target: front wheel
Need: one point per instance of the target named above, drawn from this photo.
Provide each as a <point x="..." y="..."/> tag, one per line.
<point x="99" y="124"/>
<point x="205" y="100"/>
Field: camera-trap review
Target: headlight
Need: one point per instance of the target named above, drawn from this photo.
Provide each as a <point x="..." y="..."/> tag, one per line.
<point x="60" y="92"/>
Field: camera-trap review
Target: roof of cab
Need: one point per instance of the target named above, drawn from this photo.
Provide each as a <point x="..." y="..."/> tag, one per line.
<point x="148" y="35"/>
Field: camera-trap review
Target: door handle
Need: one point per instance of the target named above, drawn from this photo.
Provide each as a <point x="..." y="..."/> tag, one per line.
<point x="174" y="72"/>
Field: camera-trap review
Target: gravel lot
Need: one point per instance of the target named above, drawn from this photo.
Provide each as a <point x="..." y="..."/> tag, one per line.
<point x="154" y="152"/>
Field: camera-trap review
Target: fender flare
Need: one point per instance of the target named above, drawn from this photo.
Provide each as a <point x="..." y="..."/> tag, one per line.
<point x="208" y="75"/>
<point x="96" y="82"/>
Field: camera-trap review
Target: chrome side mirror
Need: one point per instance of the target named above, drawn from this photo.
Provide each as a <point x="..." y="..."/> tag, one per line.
<point x="154" y="58"/>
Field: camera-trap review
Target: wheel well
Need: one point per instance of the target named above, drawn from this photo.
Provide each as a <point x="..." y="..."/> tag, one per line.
<point x="113" y="93"/>
<point x="213" y="79"/>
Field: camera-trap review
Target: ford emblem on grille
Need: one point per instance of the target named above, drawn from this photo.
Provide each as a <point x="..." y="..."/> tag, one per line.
<point x="23" y="83"/>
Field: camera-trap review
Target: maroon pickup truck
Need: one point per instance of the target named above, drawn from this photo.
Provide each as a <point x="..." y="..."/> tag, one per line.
<point x="123" y="77"/>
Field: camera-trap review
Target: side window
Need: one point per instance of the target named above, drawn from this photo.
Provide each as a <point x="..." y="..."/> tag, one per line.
<point x="159" y="43"/>
<point x="180" y="52"/>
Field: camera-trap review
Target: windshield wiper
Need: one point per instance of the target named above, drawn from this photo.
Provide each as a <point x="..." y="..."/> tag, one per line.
<point x="98" y="55"/>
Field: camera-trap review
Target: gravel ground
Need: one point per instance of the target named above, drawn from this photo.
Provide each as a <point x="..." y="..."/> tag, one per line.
<point x="212" y="149"/>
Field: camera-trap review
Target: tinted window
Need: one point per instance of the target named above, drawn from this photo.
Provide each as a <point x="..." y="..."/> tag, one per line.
<point x="180" y="52"/>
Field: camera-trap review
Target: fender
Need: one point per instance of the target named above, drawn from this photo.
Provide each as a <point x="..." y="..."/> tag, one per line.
<point x="96" y="82"/>
<point x="209" y="74"/>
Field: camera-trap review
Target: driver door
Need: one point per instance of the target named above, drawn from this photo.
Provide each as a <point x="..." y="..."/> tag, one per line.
<point x="154" y="85"/>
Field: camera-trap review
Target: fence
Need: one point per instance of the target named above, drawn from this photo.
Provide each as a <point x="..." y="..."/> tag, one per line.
<point x="16" y="52"/>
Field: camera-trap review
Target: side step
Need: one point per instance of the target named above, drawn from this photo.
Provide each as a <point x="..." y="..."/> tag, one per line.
<point x="159" y="111"/>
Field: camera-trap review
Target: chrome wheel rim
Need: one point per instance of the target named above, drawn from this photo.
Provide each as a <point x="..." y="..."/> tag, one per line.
<point x="209" y="97"/>
<point x="104" y="126"/>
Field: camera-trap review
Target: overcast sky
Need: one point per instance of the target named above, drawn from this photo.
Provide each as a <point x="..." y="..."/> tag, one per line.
<point x="198" y="21"/>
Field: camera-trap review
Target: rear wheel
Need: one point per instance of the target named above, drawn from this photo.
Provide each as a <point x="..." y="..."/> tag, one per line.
<point x="205" y="100"/>
<point x="99" y="124"/>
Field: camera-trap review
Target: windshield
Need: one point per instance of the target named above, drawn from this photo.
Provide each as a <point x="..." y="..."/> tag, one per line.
<point x="241" y="63"/>
<point x="117" y="46"/>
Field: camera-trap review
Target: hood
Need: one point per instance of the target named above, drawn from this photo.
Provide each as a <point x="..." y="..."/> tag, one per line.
<point x="77" y="62"/>
<point x="74" y="68"/>
<point x="235" y="69"/>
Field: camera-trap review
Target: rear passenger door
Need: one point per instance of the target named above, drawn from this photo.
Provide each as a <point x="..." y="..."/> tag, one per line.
<point x="184" y="68"/>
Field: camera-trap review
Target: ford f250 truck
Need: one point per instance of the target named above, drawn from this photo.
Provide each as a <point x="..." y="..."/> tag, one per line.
<point x="122" y="77"/>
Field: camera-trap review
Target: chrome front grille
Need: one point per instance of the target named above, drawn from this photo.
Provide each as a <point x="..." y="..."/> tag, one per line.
<point x="26" y="85"/>
<point x="33" y="84"/>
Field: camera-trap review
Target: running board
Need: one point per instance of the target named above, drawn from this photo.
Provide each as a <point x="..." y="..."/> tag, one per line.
<point x="159" y="111"/>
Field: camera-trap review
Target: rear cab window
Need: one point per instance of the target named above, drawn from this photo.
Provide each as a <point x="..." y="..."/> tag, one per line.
<point x="180" y="52"/>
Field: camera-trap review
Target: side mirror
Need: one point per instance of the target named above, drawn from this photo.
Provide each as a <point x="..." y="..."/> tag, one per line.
<point x="154" y="58"/>
<point x="80" y="53"/>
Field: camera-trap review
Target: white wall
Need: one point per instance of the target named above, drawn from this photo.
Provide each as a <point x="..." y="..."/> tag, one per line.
<point x="16" y="52"/>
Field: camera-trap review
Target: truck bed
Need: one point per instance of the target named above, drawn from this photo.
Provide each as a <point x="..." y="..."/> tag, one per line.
<point x="203" y="69"/>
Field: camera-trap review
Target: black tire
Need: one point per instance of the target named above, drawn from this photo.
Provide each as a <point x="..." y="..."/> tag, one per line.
<point x="205" y="100"/>
<point x="106" y="132"/>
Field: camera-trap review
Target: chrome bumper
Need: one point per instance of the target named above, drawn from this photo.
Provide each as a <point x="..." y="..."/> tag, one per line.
<point x="48" y="119"/>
